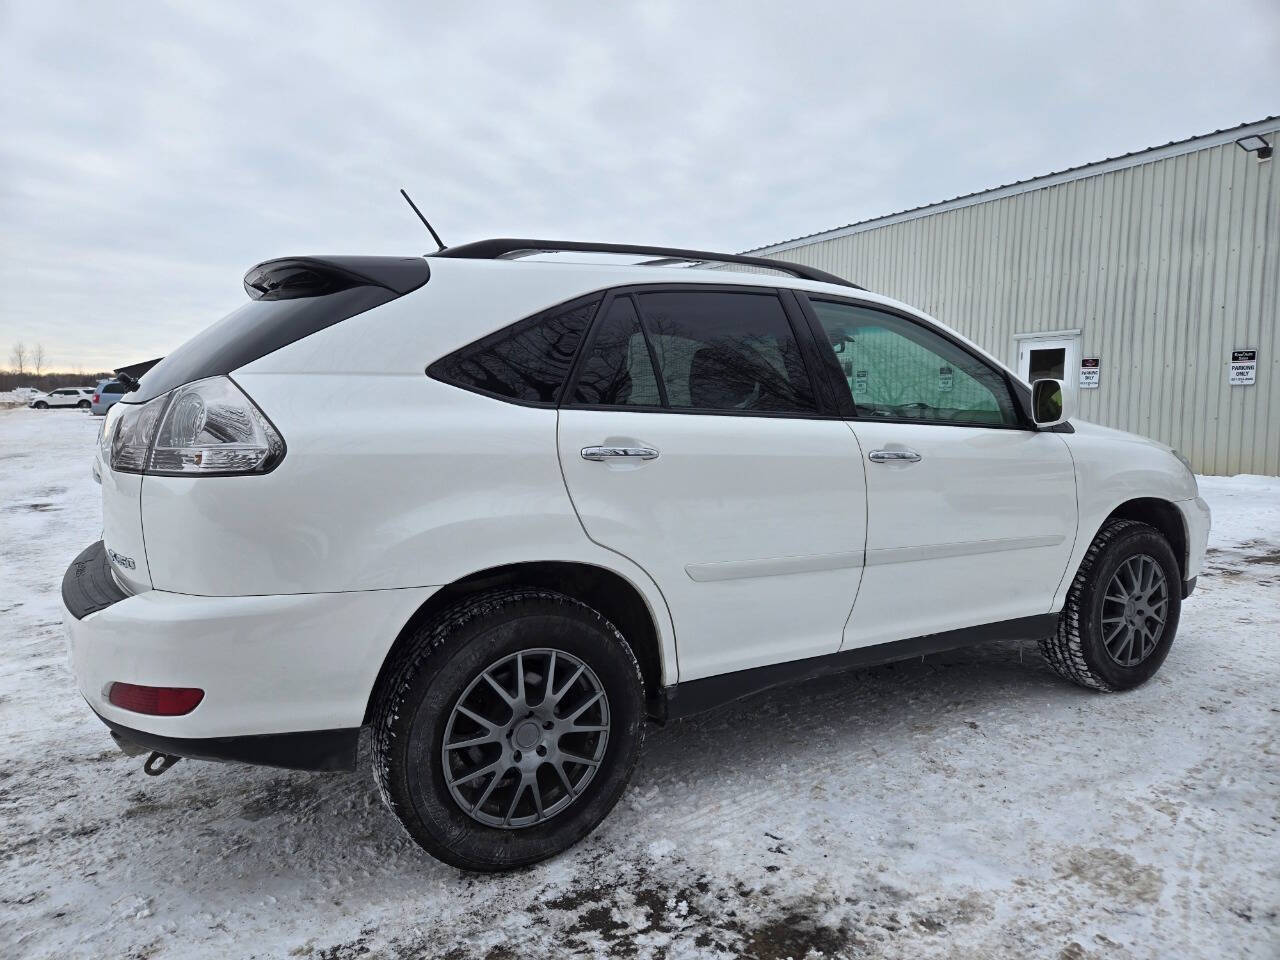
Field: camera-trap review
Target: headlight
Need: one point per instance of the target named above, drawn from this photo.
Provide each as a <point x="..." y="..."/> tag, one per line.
<point x="204" y="428"/>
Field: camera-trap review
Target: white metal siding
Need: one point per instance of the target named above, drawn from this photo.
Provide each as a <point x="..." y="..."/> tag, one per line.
<point x="1166" y="267"/>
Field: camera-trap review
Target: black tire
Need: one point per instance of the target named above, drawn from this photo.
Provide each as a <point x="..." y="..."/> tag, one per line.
<point x="84" y="404"/>
<point x="443" y="658"/>
<point x="41" y="405"/>
<point x="1077" y="651"/>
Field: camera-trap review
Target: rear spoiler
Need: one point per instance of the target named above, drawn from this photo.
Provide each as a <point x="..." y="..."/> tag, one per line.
<point x="135" y="370"/>
<point x="290" y="278"/>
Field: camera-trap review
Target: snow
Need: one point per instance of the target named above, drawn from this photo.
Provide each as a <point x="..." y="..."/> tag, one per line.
<point x="970" y="804"/>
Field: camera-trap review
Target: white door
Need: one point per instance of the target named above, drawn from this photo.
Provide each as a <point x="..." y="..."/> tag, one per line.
<point x="717" y="476"/>
<point x="971" y="517"/>
<point x="1055" y="356"/>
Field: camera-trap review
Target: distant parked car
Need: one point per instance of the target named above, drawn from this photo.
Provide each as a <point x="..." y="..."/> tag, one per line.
<point x="64" y="397"/>
<point x="107" y="393"/>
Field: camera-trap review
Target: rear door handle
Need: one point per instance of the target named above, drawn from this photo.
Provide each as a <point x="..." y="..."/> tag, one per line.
<point x="893" y="456"/>
<point x="618" y="453"/>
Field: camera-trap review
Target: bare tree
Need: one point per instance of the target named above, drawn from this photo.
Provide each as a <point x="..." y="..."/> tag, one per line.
<point x="38" y="359"/>
<point x="18" y="358"/>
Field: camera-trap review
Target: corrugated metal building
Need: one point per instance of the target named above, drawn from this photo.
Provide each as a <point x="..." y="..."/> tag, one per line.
<point x="1158" y="265"/>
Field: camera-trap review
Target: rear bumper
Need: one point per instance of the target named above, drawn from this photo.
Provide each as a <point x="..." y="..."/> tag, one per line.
<point x="297" y="668"/>
<point x="310" y="750"/>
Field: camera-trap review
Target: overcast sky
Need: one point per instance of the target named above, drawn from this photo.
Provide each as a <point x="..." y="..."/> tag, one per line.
<point x="149" y="153"/>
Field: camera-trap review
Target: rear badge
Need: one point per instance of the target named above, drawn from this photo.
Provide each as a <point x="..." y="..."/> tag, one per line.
<point x="122" y="560"/>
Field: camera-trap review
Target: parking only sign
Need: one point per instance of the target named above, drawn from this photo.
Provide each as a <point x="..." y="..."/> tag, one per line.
<point x="1090" y="373"/>
<point x="1244" y="368"/>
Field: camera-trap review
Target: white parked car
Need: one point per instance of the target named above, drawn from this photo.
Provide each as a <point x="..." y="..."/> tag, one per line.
<point x="63" y="397"/>
<point x="502" y="512"/>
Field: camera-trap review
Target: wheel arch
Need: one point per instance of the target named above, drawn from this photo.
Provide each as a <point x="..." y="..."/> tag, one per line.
<point x="1162" y="515"/>
<point x="614" y="595"/>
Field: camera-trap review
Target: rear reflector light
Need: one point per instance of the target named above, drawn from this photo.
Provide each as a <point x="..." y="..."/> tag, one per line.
<point x="156" y="701"/>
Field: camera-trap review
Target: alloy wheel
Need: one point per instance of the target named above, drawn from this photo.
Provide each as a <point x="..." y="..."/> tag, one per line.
<point x="1135" y="608"/>
<point x="525" y="738"/>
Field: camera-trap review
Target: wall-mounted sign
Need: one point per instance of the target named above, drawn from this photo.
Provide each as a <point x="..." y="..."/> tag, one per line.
<point x="946" y="379"/>
<point x="1090" y="373"/>
<point x="1244" y="368"/>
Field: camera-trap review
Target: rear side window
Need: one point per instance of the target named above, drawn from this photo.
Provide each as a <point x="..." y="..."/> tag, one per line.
<point x="113" y="388"/>
<point x="527" y="362"/>
<point x="618" y="370"/>
<point x="714" y="350"/>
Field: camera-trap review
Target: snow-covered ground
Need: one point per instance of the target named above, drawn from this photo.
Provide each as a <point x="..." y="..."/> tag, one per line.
<point x="967" y="805"/>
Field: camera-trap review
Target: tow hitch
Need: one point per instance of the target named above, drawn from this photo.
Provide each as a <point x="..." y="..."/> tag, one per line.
<point x="158" y="763"/>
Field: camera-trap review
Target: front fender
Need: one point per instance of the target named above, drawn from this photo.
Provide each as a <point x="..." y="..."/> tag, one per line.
<point x="1113" y="468"/>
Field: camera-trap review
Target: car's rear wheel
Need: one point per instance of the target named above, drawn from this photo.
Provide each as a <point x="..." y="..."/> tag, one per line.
<point x="508" y="729"/>
<point x="83" y="404"/>
<point x="1121" y="613"/>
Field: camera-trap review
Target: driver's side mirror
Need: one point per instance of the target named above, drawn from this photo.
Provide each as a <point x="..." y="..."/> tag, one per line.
<point x="1050" y="404"/>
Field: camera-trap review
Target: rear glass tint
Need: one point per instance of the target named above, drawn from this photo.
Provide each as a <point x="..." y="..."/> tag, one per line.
<point x="528" y="361"/>
<point x="618" y="371"/>
<point x="726" y="351"/>
<point x="254" y="330"/>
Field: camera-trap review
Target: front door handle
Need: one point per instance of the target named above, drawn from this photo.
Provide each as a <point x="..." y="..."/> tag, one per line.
<point x="618" y="453"/>
<point x="893" y="456"/>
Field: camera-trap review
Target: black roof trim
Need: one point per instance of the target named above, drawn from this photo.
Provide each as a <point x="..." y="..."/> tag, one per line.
<point x="507" y="247"/>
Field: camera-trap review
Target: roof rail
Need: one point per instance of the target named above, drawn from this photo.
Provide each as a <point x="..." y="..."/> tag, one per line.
<point x="508" y="248"/>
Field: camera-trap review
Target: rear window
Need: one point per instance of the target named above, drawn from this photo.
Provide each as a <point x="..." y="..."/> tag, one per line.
<point x="254" y="330"/>
<point x="714" y="351"/>
<point x="527" y="362"/>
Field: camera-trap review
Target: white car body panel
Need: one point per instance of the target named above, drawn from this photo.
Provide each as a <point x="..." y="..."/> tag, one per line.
<point x="753" y="526"/>
<point x="122" y="528"/>
<point x="978" y="531"/>
<point x="751" y="540"/>
<point x="266" y="664"/>
<point x="1114" y="467"/>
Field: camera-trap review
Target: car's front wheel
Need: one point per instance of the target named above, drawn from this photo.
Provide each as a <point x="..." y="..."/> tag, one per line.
<point x="1121" y="612"/>
<point x="508" y="729"/>
<point x="40" y="405"/>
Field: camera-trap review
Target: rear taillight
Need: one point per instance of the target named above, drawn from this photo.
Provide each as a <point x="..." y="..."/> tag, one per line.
<point x="206" y="428"/>
<point x="155" y="701"/>
<point x="95" y="398"/>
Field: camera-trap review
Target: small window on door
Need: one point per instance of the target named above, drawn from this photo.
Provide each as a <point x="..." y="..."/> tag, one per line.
<point x="901" y="370"/>
<point x="1046" y="363"/>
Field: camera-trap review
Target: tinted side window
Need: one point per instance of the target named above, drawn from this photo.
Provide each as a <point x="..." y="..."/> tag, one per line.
<point x="720" y="350"/>
<point x="618" y="371"/>
<point x="113" y="388"/>
<point x="527" y="361"/>
<point x="901" y="370"/>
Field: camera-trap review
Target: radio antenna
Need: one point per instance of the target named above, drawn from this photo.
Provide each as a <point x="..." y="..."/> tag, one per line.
<point x="434" y="236"/>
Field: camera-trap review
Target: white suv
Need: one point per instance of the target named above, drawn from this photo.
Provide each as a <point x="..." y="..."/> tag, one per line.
<point x="501" y="512"/>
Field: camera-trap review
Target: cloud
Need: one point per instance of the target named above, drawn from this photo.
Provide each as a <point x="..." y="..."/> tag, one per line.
<point x="153" y="153"/>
